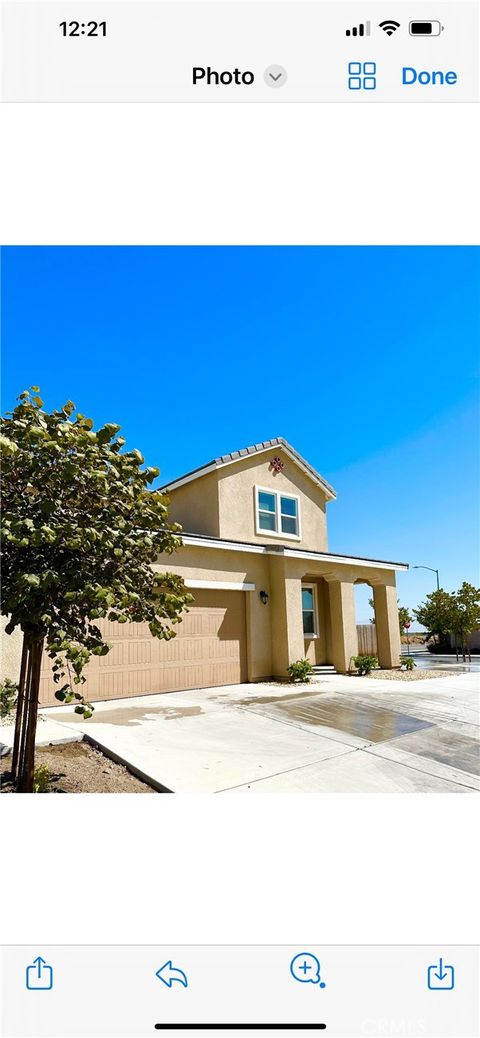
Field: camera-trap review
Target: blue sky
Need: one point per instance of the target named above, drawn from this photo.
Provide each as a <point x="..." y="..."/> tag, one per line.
<point x="365" y="359"/>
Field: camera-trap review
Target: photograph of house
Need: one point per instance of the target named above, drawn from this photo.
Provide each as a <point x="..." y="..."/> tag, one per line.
<point x="227" y="624"/>
<point x="266" y="589"/>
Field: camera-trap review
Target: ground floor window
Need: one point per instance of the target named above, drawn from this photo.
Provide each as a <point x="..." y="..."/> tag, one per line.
<point x="309" y="610"/>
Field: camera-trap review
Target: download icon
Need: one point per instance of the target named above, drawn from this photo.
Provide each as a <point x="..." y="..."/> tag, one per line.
<point x="441" y="978"/>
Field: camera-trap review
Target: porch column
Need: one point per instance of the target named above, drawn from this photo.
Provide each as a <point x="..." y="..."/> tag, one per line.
<point x="344" y="641"/>
<point x="286" y="617"/>
<point x="387" y="626"/>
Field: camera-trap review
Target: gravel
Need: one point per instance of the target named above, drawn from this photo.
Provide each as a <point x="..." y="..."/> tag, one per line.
<point x="383" y="675"/>
<point x="408" y="675"/>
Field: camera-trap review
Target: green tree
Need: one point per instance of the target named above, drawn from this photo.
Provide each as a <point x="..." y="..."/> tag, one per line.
<point x="436" y="613"/>
<point x="465" y="616"/>
<point x="456" y="612"/>
<point x="404" y="616"/>
<point x="80" y="532"/>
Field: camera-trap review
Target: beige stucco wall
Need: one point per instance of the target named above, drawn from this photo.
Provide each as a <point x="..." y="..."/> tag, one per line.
<point x="274" y="632"/>
<point x="215" y="564"/>
<point x="237" y="501"/>
<point x="286" y="617"/>
<point x="222" y="503"/>
<point x="11" y="652"/>
<point x="196" y="563"/>
<point x="386" y="624"/>
<point x="195" y="505"/>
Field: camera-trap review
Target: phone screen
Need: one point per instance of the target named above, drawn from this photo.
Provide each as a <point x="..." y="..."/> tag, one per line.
<point x="240" y="512"/>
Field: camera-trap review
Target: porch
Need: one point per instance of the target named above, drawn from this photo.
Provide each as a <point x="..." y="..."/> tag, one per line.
<point x="315" y="604"/>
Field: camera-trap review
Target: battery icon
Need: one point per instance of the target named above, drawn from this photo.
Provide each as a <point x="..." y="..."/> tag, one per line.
<point x="425" y="28"/>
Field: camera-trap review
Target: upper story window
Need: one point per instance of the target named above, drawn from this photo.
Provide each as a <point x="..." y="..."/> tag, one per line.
<point x="277" y="514"/>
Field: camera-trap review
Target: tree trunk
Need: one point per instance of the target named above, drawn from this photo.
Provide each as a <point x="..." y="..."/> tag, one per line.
<point x="24" y="719"/>
<point x="26" y="763"/>
<point x="20" y="706"/>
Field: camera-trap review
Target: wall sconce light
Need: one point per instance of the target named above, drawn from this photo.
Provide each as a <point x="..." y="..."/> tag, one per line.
<point x="264" y="597"/>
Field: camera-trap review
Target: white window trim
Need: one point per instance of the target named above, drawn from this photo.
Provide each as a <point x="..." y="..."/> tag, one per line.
<point x="277" y="494"/>
<point x="313" y="589"/>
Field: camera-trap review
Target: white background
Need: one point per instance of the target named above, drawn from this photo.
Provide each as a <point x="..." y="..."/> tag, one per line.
<point x="293" y="869"/>
<point x="227" y="869"/>
<point x="293" y="173"/>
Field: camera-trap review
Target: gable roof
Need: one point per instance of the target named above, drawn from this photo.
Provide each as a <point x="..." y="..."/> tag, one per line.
<point x="256" y="448"/>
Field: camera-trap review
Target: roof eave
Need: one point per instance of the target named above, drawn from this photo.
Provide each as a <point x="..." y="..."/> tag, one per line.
<point x="205" y="541"/>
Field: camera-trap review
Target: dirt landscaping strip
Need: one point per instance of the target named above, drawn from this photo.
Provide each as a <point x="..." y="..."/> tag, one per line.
<point x="79" y="768"/>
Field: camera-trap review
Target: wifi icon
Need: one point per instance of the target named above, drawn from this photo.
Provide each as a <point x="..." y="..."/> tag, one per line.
<point x="389" y="26"/>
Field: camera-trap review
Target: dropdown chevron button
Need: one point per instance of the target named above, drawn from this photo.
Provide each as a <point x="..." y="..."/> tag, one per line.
<point x="275" y="76"/>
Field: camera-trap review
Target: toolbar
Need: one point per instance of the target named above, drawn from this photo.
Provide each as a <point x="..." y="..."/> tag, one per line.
<point x="131" y="992"/>
<point x="225" y="50"/>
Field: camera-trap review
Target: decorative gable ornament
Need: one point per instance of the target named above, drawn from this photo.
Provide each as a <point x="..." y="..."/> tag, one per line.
<point x="276" y="464"/>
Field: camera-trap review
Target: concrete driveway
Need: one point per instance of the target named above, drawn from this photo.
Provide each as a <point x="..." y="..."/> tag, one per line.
<point x="336" y="735"/>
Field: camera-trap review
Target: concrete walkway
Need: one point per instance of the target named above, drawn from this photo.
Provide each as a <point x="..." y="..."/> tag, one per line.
<point x="336" y="735"/>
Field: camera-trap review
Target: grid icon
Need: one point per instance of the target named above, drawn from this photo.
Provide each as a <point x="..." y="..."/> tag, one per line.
<point x="362" y="75"/>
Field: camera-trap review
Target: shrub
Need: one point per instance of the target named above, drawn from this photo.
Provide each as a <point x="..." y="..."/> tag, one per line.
<point x="300" y="670"/>
<point x="441" y="646"/>
<point x="365" y="664"/>
<point x="8" y="697"/>
<point x="41" y="779"/>
<point x="408" y="662"/>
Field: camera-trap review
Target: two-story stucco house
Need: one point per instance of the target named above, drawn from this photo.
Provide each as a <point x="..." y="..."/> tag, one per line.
<point x="267" y="591"/>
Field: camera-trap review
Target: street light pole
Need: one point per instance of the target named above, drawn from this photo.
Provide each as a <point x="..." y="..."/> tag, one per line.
<point x="432" y="570"/>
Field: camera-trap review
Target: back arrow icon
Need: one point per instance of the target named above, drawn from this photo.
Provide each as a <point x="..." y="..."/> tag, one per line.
<point x="168" y="974"/>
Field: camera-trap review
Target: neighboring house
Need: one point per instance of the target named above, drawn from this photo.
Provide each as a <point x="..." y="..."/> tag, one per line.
<point x="472" y="642"/>
<point x="267" y="590"/>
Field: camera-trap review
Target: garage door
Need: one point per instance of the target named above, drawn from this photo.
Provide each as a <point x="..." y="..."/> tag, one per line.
<point x="209" y="649"/>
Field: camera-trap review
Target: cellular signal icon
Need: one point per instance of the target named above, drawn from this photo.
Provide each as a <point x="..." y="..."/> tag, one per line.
<point x="389" y="26"/>
<point x="359" y="30"/>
